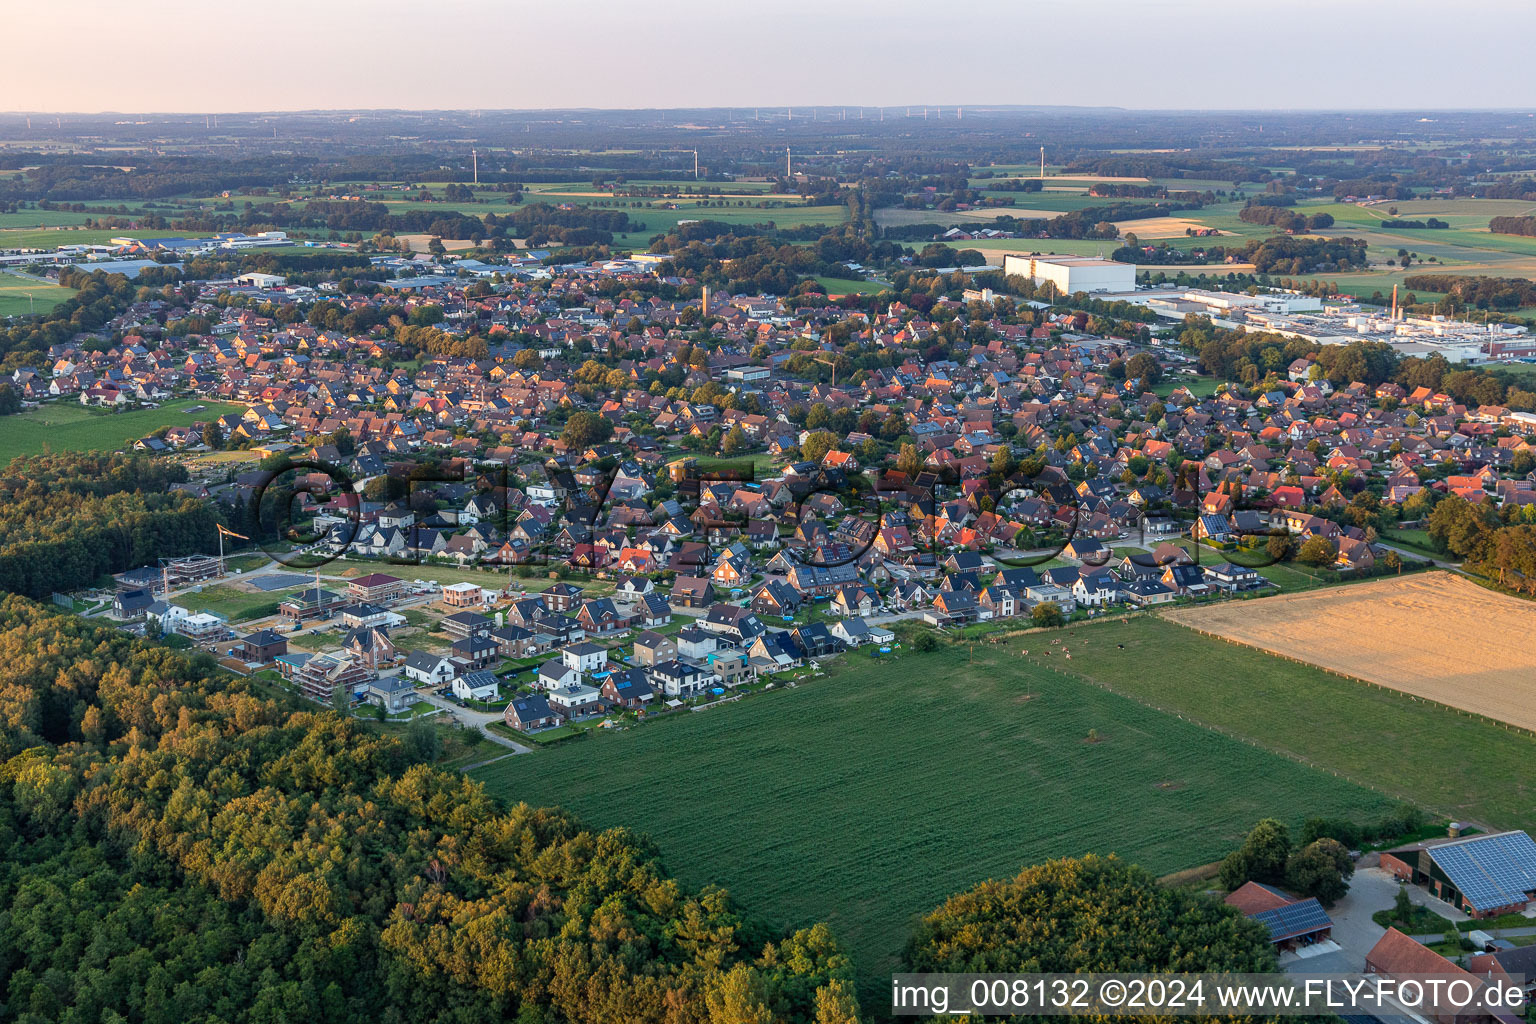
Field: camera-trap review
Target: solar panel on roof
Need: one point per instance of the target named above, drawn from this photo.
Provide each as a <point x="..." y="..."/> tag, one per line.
<point x="1293" y="919"/>
<point x="1490" y="871"/>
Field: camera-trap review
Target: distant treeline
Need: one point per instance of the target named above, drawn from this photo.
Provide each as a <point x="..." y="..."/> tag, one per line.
<point x="1283" y="219"/>
<point x="1280" y="254"/>
<point x="540" y="223"/>
<point x="1523" y="189"/>
<point x="1146" y="165"/>
<point x="1479" y="292"/>
<point x="1014" y="185"/>
<point x="1513" y="225"/>
<point x="1131" y="190"/>
<point x="1432" y="222"/>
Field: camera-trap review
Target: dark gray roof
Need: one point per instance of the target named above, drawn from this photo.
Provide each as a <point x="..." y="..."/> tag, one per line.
<point x="1300" y="918"/>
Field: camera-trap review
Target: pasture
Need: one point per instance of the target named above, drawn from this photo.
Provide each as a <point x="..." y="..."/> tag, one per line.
<point x="1409" y="633"/>
<point x="67" y="426"/>
<point x="866" y="797"/>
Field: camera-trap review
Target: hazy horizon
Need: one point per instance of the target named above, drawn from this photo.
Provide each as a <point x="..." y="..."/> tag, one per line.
<point x="1162" y="55"/>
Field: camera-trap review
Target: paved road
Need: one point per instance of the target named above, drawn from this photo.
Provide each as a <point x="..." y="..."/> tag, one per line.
<point x="472" y="719"/>
<point x="1421" y="557"/>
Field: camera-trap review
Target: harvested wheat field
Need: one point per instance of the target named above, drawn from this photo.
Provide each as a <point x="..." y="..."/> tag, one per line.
<point x="1158" y="227"/>
<point x="1432" y="635"/>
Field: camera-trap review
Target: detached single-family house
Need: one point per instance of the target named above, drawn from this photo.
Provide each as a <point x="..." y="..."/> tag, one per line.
<point x="530" y="714"/>
<point x="393" y="694"/>
<point x="429" y="669"/>
<point x="482" y="686"/>
<point x="678" y="678"/>
<point x="556" y="674"/>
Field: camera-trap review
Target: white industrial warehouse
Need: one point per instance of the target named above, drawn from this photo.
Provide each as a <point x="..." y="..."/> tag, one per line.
<point x="1072" y="274"/>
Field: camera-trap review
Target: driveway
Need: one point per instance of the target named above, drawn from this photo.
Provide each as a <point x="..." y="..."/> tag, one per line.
<point x="1373" y="889"/>
<point x="472" y="719"/>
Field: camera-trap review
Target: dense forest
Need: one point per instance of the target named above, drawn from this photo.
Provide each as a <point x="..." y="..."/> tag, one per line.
<point x="176" y="848"/>
<point x="66" y="520"/>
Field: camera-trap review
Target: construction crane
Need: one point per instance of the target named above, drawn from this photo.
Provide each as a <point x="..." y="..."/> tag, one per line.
<point x="225" y="531"/>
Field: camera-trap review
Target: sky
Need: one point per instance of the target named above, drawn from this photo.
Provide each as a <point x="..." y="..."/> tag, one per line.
<point x="215" y="55"/>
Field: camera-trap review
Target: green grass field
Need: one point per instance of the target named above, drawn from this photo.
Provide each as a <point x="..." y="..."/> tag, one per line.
<point x="67" y="426"/>
<point x="235" y="605"/>
<point x="445" y="574"/>
<point x="15" y="292"/>
<point x="32" y="238"/>
<point x="867" y="797"/>
<point x="848" y="286"/>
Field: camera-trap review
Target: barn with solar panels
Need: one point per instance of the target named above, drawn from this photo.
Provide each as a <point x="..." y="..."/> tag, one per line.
<point x="1485" y="876"/>
<point x="1292" y="922"/>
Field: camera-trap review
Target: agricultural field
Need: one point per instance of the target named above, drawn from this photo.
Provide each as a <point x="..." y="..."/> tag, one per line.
<point x="21" y="296"/>
<point x="41" y="219"/>
<point x="851" y="802"/>
<point x="1159" y="228"/>
<point x="1410" y="633"/>
<point x="1448" y="762"/>
<point x="67" y="426"/>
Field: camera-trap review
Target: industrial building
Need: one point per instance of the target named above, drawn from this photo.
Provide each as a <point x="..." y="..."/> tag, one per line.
<point x="1293" y="315"/>
<point x="1072" y="274"/>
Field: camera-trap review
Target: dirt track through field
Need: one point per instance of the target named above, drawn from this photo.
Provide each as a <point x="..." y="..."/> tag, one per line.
<point x="1433" y="635"/>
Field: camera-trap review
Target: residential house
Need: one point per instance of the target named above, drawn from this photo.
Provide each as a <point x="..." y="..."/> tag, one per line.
<point x="678" y="679"/>
<point x="530" y="714"/>
<point x="429" y="669"/>
<point x="481" y="686"/>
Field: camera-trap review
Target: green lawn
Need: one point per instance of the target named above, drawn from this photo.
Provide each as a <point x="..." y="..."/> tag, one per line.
<point x="867" y="797"/>
<point x="235" y="605"/>
<point x="1414" y="540"/>
<point x="67" y="426"/>
<point x="1199" y="385"/>
<point x="492" y="578"/>
<point x="20" y="296"/>
<point x="848" y="286"/>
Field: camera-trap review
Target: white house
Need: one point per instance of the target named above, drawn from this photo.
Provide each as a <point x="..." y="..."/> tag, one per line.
<point x="431" y="669"/>
<point x="477" y="686"/>
<point x="555" y="675"/>
<point x="585" y="658"/>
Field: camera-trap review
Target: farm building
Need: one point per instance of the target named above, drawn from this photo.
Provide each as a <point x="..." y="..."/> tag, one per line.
<point x="1291" y="922"/>
<point x="1485" y="876"/>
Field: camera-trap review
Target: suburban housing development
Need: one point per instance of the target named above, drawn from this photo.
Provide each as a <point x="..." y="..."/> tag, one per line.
<point x="680" y="565"/>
